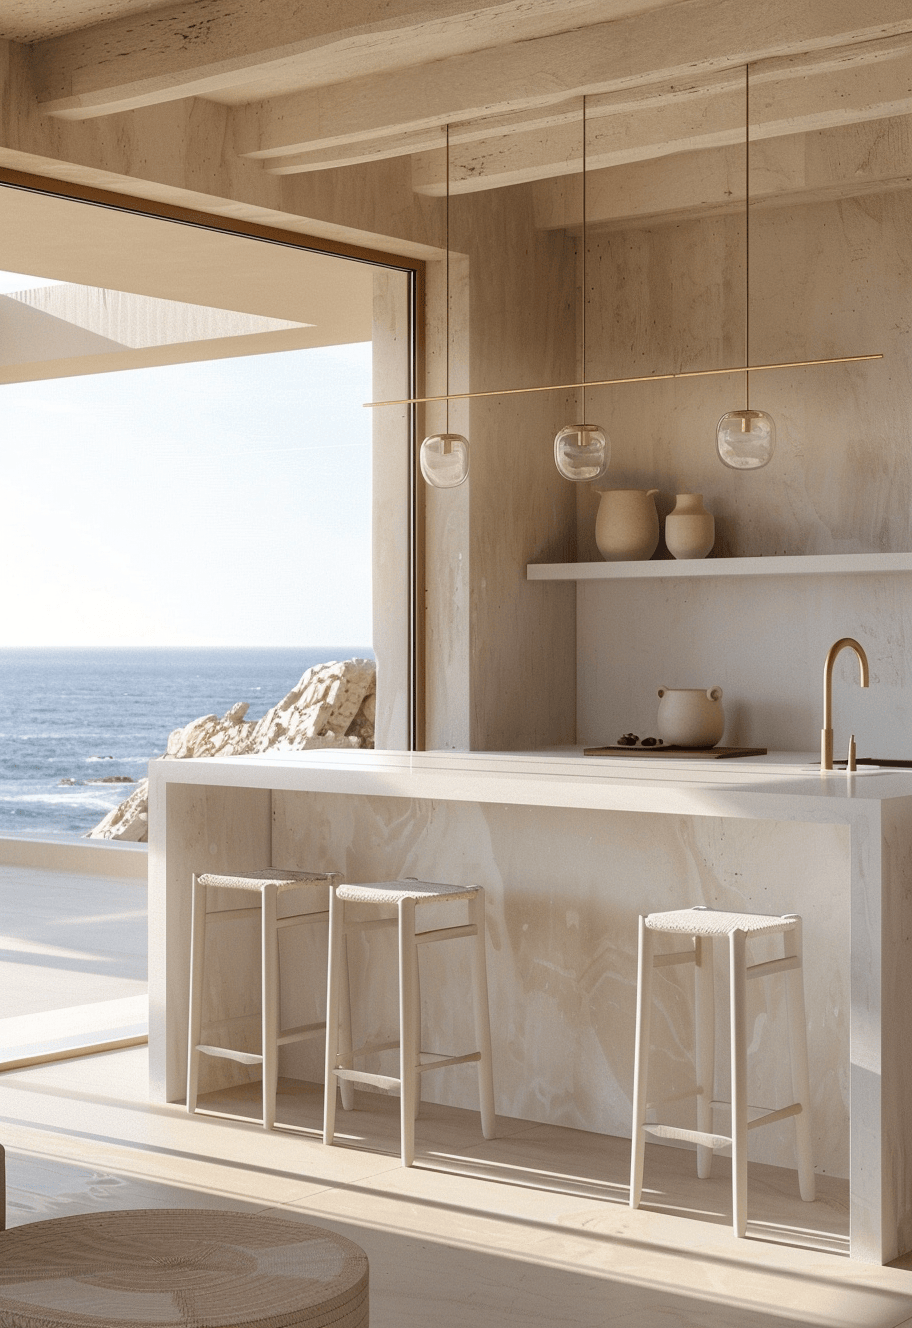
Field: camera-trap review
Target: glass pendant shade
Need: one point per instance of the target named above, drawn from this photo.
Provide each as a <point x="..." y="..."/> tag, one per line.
<point x="746" y="439"/>
<point x="582" y="452"/>
<point x="444" y="459"/>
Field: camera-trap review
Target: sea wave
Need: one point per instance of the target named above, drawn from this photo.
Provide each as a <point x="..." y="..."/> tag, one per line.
<point x="97" y="800"/>
<point x="63" y="709"/>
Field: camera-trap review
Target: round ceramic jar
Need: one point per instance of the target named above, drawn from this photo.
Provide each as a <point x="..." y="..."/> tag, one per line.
<point x="627" y="524"/>
<point x="690" y="530"/>
<point x="691" y="716"/>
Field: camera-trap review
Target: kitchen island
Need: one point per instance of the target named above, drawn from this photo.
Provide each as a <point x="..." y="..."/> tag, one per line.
<point x="570" y="850"/>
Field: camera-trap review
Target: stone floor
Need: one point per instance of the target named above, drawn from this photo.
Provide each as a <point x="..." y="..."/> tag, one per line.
<point x="72" y="961"/>
<point x="530" y="1228"/>
<point x="69" y="939"/>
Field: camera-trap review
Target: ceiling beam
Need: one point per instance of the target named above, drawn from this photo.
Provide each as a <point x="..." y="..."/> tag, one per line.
<point x="682" y="41"/>
<point x="842" y="162"/>
<point x="786" y="97"/>
<point x="216" y="47"/>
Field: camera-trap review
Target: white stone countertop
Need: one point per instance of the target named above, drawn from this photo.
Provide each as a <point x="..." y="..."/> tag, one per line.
<point x="780" y="785"/>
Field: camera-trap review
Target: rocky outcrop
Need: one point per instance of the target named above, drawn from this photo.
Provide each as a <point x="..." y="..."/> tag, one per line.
<point x="332" y="706"/>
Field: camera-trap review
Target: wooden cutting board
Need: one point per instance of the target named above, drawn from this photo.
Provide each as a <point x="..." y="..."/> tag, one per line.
<point x="694" y="753"/>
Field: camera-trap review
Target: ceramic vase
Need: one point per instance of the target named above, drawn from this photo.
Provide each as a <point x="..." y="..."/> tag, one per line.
<point x="627" y="525"/>
<point x="691" y="716"/>
<point x="690" y="530"/>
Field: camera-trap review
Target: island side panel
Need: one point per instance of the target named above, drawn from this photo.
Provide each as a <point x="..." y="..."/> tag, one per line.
<point x="564" y="890"/>
<point x="896" y="995"/>
<point x="192" y="828"/>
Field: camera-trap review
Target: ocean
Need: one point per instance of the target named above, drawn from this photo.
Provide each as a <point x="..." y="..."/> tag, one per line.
<point x="87" y="716"/>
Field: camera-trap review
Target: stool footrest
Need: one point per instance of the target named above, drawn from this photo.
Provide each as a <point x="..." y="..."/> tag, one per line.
<point x="674" y="957"/>
<point x="229" y="914"/>
<point x="299" y="1033"/>
<point x="245" y="1057"/>
<point x="689" y="1136"/>
<point x="773" y="966"/>
<point x="301" y="919"/>
<point x="363" y="1077"/>
<point x="772" y="1116"/>
<point x="447" y="1060"/>
<point x="369" y="924"/>
<point x="445" y="933"/>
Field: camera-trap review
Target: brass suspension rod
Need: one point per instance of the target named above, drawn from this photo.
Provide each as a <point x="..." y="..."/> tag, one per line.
<point x="616" y="382"/>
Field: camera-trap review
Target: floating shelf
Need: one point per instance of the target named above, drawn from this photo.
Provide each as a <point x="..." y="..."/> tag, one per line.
<point x="813" y="564"/>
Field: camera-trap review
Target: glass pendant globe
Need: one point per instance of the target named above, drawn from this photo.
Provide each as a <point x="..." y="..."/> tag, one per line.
<point x="746" y="439"/>
<point x="582" y="452"/>
<point x="444" y="460"/>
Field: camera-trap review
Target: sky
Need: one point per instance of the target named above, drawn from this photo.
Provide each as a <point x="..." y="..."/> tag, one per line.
<point x="212" y="504"/>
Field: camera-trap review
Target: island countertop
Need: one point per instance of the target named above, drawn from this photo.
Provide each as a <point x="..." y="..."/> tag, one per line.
<point x="780" y="785"/>
<point x="570" y="849"/>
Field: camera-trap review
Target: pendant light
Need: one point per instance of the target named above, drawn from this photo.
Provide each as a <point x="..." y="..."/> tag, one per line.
<point x="746" y="439"/>
<point x="582" y="451"/>
<point x="444" y="457"/>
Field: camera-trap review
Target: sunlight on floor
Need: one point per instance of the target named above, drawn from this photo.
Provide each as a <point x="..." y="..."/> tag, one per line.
<point x="529" y="1228"/>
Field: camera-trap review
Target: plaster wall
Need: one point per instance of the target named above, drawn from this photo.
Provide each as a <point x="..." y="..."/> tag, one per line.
<point x="827" y="278"/>
<point x="501" y="654"/>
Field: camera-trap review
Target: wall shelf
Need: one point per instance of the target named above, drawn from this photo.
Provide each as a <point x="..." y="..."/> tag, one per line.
<point x="818" y="564"/>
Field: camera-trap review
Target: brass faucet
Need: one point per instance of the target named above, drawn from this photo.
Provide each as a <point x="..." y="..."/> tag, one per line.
<point x="826" y="733"/>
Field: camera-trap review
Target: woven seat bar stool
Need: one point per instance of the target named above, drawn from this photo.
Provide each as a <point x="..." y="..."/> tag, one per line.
<point x="405" y="896"/>
<point x="703" y="926"/>
<point x="268" y="884"/>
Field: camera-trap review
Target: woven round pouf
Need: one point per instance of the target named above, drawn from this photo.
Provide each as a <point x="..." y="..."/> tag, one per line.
<point x="180" y="1267"/>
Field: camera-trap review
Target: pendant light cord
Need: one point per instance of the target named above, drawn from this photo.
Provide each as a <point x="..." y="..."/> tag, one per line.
<point x="585" y="289"/>
<point x="746" y="235"/>
<point x="447" y="318"/>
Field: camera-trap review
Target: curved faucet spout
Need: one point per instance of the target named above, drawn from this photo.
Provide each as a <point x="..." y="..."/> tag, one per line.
<point x="826" y="733"/>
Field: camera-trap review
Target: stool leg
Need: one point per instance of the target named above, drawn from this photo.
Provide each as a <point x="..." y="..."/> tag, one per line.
<point x="408" y="1032"/>
<point x="705" y="1021"/>
<point x="738" y="985"/>
<point x="798" y="1054"/>
<point x="197" y="953"/>
<point x="333" y="980"/>
<point x="416" y="994"/>
<point x="346" y="1087"/>
<point x="482" y="1017"/>
<point x="641" y="1062"/>
<point x="270" y="976"/>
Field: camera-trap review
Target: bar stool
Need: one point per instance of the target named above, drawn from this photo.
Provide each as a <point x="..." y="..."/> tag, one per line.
<point x="268" y="884"/>
<point x="704" y="925"/>
<point x="405" y="895"/>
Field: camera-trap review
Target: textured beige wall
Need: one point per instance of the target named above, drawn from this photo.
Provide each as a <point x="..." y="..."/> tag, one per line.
<point x="829" y="278"/>
<point x="521" y="510"/>
<point x="501" y="651"/>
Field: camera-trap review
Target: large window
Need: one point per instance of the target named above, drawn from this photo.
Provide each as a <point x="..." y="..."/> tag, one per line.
<point x="191" y="497"/>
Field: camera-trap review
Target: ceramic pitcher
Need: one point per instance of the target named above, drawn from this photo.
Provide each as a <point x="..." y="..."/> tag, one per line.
<point x="690" y="530"/>
<point x="691" y="716"/>
<point x="627" y="524"/>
